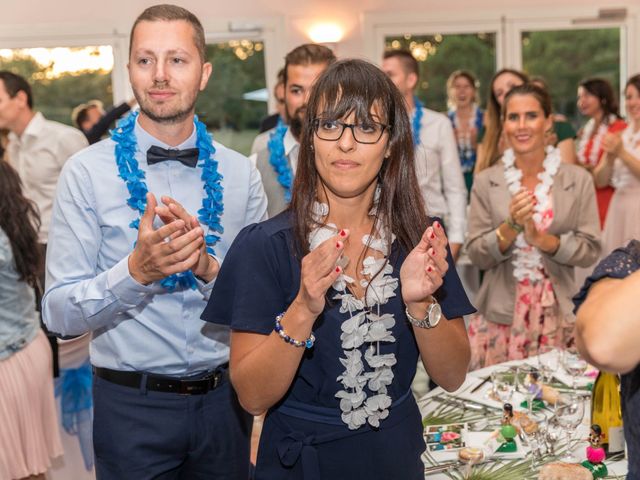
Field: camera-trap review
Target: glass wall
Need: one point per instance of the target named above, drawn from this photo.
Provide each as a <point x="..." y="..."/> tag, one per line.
<point x="439" y="55"/>
<point x="235" y="100"/>
<point x="62" y="78"/>
<point x="565" y="57"/>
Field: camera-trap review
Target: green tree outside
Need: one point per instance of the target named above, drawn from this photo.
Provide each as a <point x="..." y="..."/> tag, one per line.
<point x="440" y="55"/>
<point x="566" y="57"/>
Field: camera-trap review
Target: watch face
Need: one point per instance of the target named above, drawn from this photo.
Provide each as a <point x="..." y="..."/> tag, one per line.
<point x="435" y="313"/>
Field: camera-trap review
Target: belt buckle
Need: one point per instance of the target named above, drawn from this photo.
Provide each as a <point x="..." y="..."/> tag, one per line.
<point x="191" y="387"/>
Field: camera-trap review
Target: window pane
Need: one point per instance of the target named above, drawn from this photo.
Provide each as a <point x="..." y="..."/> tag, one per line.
<point x="238" y="69"/>
<point x="62" y="78"/>
<point x="565" y="57"/>
<point x="439" y="55"/>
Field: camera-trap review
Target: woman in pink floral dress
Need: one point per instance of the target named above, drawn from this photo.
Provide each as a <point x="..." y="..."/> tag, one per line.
<point x="532" y="219"/>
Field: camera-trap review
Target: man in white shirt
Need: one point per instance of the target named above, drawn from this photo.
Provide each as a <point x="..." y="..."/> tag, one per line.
<point x="275" y="152"/>
<point x="437" y="162"/>
<point x="38" y="148"/>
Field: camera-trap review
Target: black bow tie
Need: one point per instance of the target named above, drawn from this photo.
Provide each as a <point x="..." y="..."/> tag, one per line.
<point x="188" y="156"/>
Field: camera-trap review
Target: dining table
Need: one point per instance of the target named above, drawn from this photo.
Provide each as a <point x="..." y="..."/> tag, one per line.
<point x="475" y="415"/>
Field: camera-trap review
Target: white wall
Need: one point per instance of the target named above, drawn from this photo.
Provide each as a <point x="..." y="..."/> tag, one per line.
<point x="285" y="22"/>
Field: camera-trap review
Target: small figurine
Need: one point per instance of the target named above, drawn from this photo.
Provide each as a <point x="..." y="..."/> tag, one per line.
<point x="508" y="431"/>
<point x="596" y="453"/>
<point x="507" y="414"/>
<point x="534" y="386"/>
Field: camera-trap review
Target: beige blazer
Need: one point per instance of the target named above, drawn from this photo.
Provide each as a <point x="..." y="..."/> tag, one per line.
<point x="575" y="222"/>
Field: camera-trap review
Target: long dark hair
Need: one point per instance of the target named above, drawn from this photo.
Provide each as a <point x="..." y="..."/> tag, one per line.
<point x="493" y="123"/>
<point x="603" y="91"/>
<point x="357" y="86"/>
<point x="20" y="221"/>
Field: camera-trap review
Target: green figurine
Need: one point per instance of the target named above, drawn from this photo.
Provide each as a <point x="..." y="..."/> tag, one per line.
<point x="508" y="432"/>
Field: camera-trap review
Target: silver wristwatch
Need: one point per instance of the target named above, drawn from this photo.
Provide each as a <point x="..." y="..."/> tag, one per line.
<point x="434" y="314"/>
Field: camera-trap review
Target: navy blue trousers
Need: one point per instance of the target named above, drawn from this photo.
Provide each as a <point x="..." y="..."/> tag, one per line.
<point x="142" y="435"/>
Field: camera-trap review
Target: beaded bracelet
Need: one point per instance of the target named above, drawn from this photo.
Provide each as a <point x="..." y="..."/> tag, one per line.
<point x="513" y="225"/>
<point x="308" y="343"/>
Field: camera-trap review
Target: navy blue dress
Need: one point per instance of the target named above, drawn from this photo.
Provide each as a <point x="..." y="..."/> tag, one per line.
<point x="303" y="436"/>
<point x="621" y="263"/>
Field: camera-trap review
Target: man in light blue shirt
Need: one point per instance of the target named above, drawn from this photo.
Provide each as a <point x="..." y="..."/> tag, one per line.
<point x="163" y="405"/>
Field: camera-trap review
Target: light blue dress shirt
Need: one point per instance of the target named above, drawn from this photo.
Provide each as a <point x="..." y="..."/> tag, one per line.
<point x="89" y="288"/>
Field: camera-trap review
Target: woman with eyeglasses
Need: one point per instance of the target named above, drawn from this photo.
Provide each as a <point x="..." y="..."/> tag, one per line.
<point x="332" y="302"/>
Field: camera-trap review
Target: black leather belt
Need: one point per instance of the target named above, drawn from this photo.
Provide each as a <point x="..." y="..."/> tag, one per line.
<point x="182" y="386"/>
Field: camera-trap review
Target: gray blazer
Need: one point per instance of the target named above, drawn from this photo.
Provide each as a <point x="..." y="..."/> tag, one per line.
<point x="273" y="189"/>
<point x="575" y="222"/>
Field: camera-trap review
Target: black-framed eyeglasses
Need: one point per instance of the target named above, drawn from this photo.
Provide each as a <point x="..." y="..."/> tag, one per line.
<point x="365" y="132"/>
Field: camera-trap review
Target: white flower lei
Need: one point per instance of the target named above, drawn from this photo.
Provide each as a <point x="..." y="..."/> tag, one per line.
<point x="630" y="142"/>
<point x="363" y="326"/>
<point x="587" y="132"/>
<point x="527" y="260"/>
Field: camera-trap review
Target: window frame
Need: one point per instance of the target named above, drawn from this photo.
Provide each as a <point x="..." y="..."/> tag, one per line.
<point x="508" y="25"/>
<point x="269" y="30"/>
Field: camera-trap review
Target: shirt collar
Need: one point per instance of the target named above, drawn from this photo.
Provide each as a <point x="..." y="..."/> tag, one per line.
<point x="145" y="140"/>
<point x="289" y="142"/>
<point x="33" y="129"/>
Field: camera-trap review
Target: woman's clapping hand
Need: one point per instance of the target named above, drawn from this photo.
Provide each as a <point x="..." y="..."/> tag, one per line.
<point x="423" y="270"/>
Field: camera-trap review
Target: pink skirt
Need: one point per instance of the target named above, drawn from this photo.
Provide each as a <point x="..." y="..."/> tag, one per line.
<point x="536" y="322"/>
<point x="29" y="434"/>
<point x="623" y="220"/>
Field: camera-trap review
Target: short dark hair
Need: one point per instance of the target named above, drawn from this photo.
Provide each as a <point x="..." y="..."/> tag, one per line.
<point x="540" y="94"/>
<point x="171" y="13"/>
<point x="308" y="54"/>
<point x="405" y="57"/>
<point x="80" y="113"/>
<point x="14" y="83"/>
<point x="602" y="89"/>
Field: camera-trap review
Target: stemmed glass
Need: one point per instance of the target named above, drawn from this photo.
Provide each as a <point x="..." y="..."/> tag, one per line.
<point x="548" y="361"/>
<point x="528" y="384"/>
<point x="574" y="364"/>
<point x="569" y="411"/>
<point x="503" y="384"/>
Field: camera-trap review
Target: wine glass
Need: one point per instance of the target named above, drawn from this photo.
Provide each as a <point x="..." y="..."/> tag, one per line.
<point x="574" y="364"/>
<point x="528" y="384"/>
<point x="552" y="433"/>
<point x="569" y="411"/>
<point x="548" y="361"/>
<point x="503" y="384"/>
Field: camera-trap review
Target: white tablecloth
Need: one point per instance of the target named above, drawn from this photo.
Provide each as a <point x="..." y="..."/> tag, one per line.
<point x="429" y="402"/>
